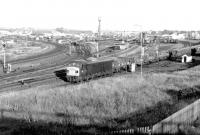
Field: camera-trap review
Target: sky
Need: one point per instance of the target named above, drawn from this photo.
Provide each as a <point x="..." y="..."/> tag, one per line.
<point x="122" y="15"/>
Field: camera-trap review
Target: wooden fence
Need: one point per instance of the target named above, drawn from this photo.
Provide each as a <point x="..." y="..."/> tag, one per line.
<point x="172" y="124"/>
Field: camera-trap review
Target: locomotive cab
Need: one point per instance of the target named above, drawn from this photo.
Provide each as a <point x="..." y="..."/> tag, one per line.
<point x="73" y="71"/>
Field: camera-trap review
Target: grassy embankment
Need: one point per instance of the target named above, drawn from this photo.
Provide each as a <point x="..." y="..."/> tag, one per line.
<point x="113" y="102"/>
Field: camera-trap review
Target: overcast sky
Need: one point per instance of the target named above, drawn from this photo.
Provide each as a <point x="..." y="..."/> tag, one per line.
<point x="115" y="14"/>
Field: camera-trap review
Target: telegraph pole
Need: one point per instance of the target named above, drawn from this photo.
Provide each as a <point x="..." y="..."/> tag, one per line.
<point x="99" y="27"/>
<point x="157" y="51"/>
<point x="157" y="47"/>
<point x="70" y="49"/>
<point x="142" y="51"/>
<point x="4" y="56"/>
<point x="98" y="36"/>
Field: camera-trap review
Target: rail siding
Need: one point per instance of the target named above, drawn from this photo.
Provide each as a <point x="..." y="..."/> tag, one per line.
<point x="172" y="124"/>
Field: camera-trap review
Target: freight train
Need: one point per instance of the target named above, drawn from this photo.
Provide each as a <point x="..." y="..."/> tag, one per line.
<point x="83" y="70"/>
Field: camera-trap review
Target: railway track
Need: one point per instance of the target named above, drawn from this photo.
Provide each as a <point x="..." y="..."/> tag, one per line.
<point x="40" y="80"/>
<point x="42" y="71"/>
<point x="56" y="51"/>
<point x="45" y="74"/>
<point x="26" y="81"/>
<point x="37" y="62"/>
<point x="43" y="68"/>
<point x="40" y="75"/>
<point x="122" y="52"/>
<point x="164" y="66"/>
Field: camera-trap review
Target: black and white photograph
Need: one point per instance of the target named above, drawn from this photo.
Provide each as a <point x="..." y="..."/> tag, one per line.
<point x="99" y="67"/>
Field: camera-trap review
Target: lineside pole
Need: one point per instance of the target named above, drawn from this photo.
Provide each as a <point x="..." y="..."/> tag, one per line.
<point x="141" y="54"/>
<point x="157" y="52"/>
<point x="4" y="56"/>
<point x="70" y="49"/>
<point x="97" y="45"/>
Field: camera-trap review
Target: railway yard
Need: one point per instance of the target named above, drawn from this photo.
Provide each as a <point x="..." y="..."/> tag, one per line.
<point x="41" y="68"/>
<point x="99" y="67"/>
<point x="40" y="75"/>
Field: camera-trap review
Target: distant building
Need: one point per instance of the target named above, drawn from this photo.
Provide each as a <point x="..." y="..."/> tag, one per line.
<point x="37" y="38"/>
<point x="61" y="41"/>
<point x="10" y="42"/>
<point x="177" y="36"/>
<point x="5" y="32"/>
<point x="195" y="35"/>
<point x="186" y="59"/>
<point x="123" y="45"/>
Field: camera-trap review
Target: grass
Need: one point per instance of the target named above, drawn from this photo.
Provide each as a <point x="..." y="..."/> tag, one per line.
<point x="99" y="101"/>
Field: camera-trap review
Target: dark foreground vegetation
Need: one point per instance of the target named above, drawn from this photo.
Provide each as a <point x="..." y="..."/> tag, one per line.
<point x="10" y="126"/>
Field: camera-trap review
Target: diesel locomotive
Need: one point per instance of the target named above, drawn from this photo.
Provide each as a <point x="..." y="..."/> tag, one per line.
<point x="83" y="70"/>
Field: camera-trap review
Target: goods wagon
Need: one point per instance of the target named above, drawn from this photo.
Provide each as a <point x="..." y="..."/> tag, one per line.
<point x="98" y="67"/>
<point x="123" y="64"/>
